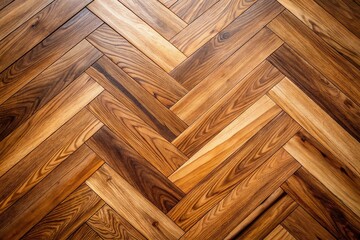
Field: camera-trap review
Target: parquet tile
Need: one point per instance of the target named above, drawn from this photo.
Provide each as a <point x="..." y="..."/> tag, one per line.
<point x="179" y="119"/>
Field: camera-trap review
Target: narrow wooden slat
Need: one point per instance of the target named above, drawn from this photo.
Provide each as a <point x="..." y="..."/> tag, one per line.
<point x="46" y="157"/>
<point x="47" y="52"/>
<point x="29" y="99"/>
<point x="279" y="233"/>
<point x="36" y="29"/>
<point x="67" y="216"/>
<point x="190" y="10"/>
<point x="110" y="225"/>
<point x="131" y="205"/>
<point x="316" y="52"/>
<point x="236" y="101"/>
<point x="31" y="208"/>
<point x="167" y="3"/>
<point x="199" y="65"/>
<point x="245" y="197"/>
<point x="46" y="121"/>
<point x="218" y="83"/>
<point x="224" y="144"/>
<point x="232" y="171"/>
<point x="318" y="88"/>
<point x="147" y="142"/>
<point x="133" y="96"/>
<point x="4" y="3"/>
<point x="85" y="233"/>
<point x="138" y="33"/>
<point x="320" y="125"/>
<point x="316" y="199"/>
<point x="151" y="77"/>
<point x="135" y="170"/>
<point x="209" y="24"/>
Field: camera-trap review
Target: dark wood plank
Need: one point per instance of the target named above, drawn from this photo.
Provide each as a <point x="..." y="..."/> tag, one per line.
<point x="85" y="233"/>
<point x="137" y="65"/>
<point x="135" y="169"/>
<point x="29" y="99"/>
<point x="210" y="56"/>
<point x="46" y="53"/>
<point x="70" y="214"/>
<point x="31" y="208"/>
<point x="190" y="10"/>
<point x="235" y="169"/>
<point x="110" y="225"/>
<point x="322" y="205"/>
<point x="139" y="101"/>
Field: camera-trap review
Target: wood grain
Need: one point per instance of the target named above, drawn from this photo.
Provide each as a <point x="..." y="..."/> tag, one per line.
<point x="131" y="205"/>
<point x="85" y="233"/>
<point x="190" y="10"/>
<point x="167" y="3"/>
<point x="279" y="233"/>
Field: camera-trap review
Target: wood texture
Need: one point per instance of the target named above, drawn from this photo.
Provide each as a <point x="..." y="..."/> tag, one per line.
<point x="85" y="233"/>
<point x="190" y="10"/>
<point x="279" y="233"/>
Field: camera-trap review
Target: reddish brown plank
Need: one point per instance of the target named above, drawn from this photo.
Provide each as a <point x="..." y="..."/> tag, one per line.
<point x="85" y="233"/>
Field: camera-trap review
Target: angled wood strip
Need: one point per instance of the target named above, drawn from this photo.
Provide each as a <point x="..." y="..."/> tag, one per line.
<point x="47" y="52"/>
<point x="46" y="157"/>
<point x="245" y="197"/>
<point x="138" y="33"/>
<point x="210" y="56"/>
<point x="67" y="216"/>
<point x="131" y="205"/>
<point x="167" y="3"/>
<point x="316" y="199"/>
<point x="236" y="101"/>
<point x="31" y="208"/>
<point x="218" y="83"/>
<point x="4" y="3"/>
<point x="316" y="52"/>
<point x="164" y="21"/>
<point x="85" y="233"/>
<point x="133" y="96"/>
<point x="235" y="169"/>
<point x="21" y="11"/>
<point x="209" y="24"/>
<point x="138" y="66"/>
<point x="36" y="29"/>
<point x="320" y="125"/>
<point x="225" y="143"/>
<point x="190" y="10"/>
<point x="29" y="99"/>
<point x="46" y="121"/>
<point x="135" y="170"/>
<point x="110" y="225"/>
<point x="279" y="233"/>
<point x="327" y="27"/>
<point x="318" y="88"/>
<point x="147" y="142"/>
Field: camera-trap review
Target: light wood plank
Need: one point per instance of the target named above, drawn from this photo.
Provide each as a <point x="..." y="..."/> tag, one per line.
<point x="190" y="10"/>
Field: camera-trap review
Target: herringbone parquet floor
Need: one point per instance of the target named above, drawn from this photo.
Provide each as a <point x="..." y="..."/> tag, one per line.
<point x="179" y="119"/>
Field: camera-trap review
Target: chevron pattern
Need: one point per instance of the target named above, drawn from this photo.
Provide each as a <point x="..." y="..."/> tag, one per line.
<point x="179" y="119"/>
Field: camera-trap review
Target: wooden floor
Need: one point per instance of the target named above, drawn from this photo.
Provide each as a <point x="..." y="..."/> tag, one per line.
<point x="179" y="119"/>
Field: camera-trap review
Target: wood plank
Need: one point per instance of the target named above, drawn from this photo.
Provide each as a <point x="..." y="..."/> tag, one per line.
<point x="131" y="205"/>
<point x="279" y="233"/>
<point x="329" y="211"/>
<point x="317" y="53"/>
<point x="46" y="121"/>
<point x="46" y="157"/>
<point x="318" y="88"/>
<point x="31" y="208"/>
<point x="157" y="16"/>
<point x="210" y="56"/>
<point x="148" y="143"/>
<point x="138" y="66"/>
<point x="21" y="11"/>
<point x="36" y="29"/>
<point x="135" y="170"/>
<point x="4" y="3"/>
<point x="29" y="99"/>
<point x="85" y="233"/>
<point x="297" y="224"/>
<point x="224" y="144"/>
<point x="138" y="33"/>
<point x="46" y="53"/>
<point x="190" y="10"/>
<point x="320" y="125"/>
<point x="245" y="93"/>
<point x="218" y="84"/>
<point x="110" y="225"/>
<point x="216" y="18"/>
<point x="167" y="3"/>
<point x="235" y="169"/>
<point x="245" y="197"/>
<point x="327" y="27"/>
<point x="67" y="216"/>
<point x="137" y="99"/>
